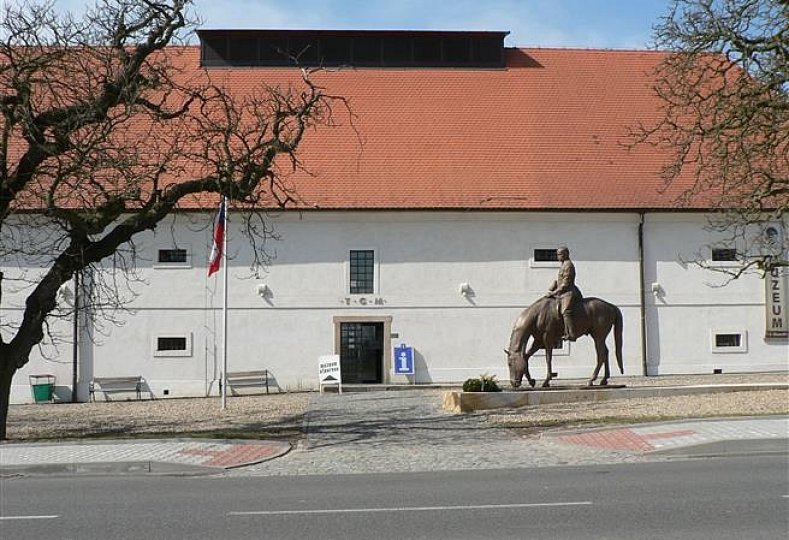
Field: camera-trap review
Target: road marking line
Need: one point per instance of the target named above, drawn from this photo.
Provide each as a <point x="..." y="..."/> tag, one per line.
<point x="9" y="518"/>
<point x="407" y="509"/>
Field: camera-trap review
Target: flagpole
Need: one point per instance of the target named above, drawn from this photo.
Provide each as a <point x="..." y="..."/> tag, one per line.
<point x="224" y="308"/>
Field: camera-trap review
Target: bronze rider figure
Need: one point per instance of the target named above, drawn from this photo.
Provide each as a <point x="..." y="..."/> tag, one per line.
<point x="564" y="290"/>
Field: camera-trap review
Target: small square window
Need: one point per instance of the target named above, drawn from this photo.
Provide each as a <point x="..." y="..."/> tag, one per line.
<point x="724" y="254"/>
<point x="172" y="255"/>
<point x="729" y="341"/>
<point x="173" y="345"/>
<point x="362" y="271"/>
<point x="545" y="255"/>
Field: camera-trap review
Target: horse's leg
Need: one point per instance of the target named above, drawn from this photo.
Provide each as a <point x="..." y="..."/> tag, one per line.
<point x="602" y="360"/>
<point x="606" y="364"/>
<point x="533" y="349"/>
<point x="549" y="366"/>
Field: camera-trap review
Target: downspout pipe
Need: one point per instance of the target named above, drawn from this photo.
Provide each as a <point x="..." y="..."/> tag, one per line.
<point x="642" y="286"/>
<point x="75" y="341"/>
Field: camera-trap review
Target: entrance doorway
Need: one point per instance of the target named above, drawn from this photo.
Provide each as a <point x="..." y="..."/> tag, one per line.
<point x="362" y="352"/>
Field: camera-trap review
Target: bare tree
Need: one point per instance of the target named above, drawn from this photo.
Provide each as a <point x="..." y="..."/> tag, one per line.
<point x="726" y="122"/>
<point x="97" y="144"/>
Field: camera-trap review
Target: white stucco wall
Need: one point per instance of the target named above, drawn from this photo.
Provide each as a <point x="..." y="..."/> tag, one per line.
<point x="421" y="260"/>
<point x="694" y="303"/>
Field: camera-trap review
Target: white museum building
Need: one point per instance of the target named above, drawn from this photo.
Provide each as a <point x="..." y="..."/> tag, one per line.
<point x="431" y="220"/>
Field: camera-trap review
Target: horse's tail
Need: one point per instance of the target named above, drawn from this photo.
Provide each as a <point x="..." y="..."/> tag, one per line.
<point x="618" y="338"/>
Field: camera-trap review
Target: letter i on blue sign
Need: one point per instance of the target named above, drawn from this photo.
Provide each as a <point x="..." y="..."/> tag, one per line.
<point x="404" y="360"/>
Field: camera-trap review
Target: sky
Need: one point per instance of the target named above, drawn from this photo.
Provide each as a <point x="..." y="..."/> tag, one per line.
<point x="618" y="24"/>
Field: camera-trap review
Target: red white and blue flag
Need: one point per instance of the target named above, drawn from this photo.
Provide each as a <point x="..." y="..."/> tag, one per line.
<point x="219" y="241"/>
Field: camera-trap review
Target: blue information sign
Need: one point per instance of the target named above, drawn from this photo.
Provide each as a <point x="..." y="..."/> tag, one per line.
<point x="403" y="360"/>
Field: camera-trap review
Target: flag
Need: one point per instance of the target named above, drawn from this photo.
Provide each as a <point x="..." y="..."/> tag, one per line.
<point x="219" y="241"/>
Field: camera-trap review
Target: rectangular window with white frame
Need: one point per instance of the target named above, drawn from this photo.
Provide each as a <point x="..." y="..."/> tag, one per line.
<point x="724" y="256"/>
<point x="729" y="341"/>
<point x="173" y="257"/>
<point x="172" y="345"/>
<point x="362" y="270"/>
<point x="544" y="257"/>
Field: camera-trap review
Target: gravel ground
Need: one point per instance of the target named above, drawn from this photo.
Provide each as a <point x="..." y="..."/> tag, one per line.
<point x="282" y="416"/>
<point x="274" y="416"/>
<point x="767" y="402"/>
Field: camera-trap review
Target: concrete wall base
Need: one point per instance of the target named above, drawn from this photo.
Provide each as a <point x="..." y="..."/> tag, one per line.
<point x="460" y="402"/>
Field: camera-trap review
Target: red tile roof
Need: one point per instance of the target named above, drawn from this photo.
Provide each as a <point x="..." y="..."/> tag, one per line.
<point x="547" y="132"/>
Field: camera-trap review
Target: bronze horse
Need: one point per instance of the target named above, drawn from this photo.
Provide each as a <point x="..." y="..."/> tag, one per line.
<point x="543" y="322"/>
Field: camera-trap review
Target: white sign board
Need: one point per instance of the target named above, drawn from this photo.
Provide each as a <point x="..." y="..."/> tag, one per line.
<point x="329" y="371"/>
<point x="776" y="295"/>
<point x="776" y="303"/>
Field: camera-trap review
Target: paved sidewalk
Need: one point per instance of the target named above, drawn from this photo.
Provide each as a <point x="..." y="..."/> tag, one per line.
<point x="383" y="432"/>
<point x="164" y="456"/>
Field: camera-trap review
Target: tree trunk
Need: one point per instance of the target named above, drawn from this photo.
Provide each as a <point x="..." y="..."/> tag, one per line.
<point x="7" y="371"/>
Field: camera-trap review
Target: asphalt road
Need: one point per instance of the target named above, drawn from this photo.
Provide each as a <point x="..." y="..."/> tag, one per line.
<point x="732" y="498"/>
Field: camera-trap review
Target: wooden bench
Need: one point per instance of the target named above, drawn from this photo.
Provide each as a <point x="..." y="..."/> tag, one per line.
<point x="115" y="384"/>
<point x="245" y="379"/>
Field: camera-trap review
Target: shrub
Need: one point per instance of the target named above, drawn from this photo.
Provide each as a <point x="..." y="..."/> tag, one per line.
<point x="485" y="383"/>
<point x="472" y="385"/>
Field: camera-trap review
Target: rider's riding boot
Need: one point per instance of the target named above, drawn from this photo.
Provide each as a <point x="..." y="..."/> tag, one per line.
<point x="569" y="328"/>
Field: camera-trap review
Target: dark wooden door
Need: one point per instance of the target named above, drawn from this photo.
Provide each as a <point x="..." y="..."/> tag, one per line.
<point x="361" y="352"/>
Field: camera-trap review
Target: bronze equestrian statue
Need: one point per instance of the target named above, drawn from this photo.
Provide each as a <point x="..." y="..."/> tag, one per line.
<point x="546" y="322"/>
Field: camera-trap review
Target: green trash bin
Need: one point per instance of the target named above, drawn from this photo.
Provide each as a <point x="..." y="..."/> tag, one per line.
<point x="43" y="387"/>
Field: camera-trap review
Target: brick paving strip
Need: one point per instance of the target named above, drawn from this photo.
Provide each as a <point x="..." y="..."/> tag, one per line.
<point x="616" y="439"/>
<point x="660" y="437"/>
<point x="235" y="455"/>
<point x="216" y="454"/>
